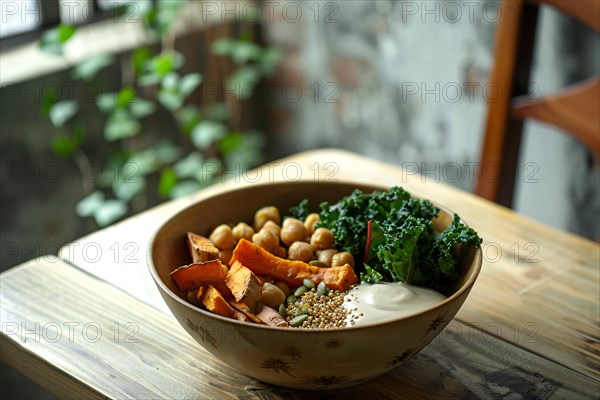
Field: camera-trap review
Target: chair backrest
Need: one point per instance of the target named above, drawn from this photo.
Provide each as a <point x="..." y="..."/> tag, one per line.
<point x="575" y="109"/>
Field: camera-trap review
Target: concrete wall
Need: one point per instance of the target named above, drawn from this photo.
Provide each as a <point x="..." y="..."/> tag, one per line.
<point x="407" y="82"/>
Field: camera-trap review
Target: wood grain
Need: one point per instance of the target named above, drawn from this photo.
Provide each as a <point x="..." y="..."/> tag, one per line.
<point x="155" y="358"/>
<point x="510" y="71"/>
<point x="574" y="109"/>
<point x="539" y="287"/>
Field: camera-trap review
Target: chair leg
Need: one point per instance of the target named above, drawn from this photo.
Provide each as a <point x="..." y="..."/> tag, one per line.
<point x="509" y="163"/>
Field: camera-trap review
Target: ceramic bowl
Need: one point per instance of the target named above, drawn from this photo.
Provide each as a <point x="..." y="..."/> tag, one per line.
<point x="296" y="358"/>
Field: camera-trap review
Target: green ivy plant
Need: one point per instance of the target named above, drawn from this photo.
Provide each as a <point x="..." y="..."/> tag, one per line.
<point x="157" y="85"/>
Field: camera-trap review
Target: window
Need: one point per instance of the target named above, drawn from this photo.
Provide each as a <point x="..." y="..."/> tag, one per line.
<point x="19" y="16"/>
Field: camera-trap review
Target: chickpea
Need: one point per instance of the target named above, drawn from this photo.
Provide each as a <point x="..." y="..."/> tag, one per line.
<point x="265" y="214"/>
<point x="300" y="251"/>
<point x="279" y="251"/>
<point x="272" y="296"/>
<point x="310" y="221"/>
<point x="322" y="239"/>
<point x="293" y="230"/>
<point x="326" y="255"/>
<point x="266" y="239"/>
<point x="342" y="258"/>
<point x="242" y="231"/>
<point x="284" y="288"/>
<point x="222" y="237"/>
<point x="225" y="256"/>
<point x="273" y="227"/>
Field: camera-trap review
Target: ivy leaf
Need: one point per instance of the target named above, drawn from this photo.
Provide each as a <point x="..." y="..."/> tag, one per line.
<point x="126" y="96"/>
<point x="210" y="168"/>
<point x="129" y="186"/>
<point x="243" y="81"/>
<point x="139" y="59"/>
<point x="217" y="112"/>
<point x="243" y="150"/>
<point x="53" y="40"/>
<point x="164" y="64"/>
<point x="106" y="102"/>
<point x="189" y="83"/>
<point x="170" y="81"/>
<point x="88" y="69"/>
<point x="64" y="146"/>
<point x="63" y="111"/>
<point x="189" y="117"/>
<point x="49" y="99"/>
<point x="223" y="47"/>
<point x="110" y="211"/>
<point x="230" y="142"/>
<point x="269" y="59"/>
<point x="171" y="100"/>
<point x="244" y="51"/>
<point x="145" y="161"/>
<point x="166" y="152"/>
<point x="142" y="108"/>
<point x="167" y="12"/>
<point x="206" y="133"/>
<point x="86" y="206"/>
<point x="65" y="32"/>
<point x="113" y="168"/>
<point x="184" y="188"/>
<point x="189" y="166"/>
<point x="149" y="79"/>
<point x="120" y="125"/>
<point x="166" y="183"/>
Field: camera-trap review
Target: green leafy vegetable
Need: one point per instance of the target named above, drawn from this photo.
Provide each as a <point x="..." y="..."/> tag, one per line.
<point x="300" y="211"/>
<point x="394" y="236"/>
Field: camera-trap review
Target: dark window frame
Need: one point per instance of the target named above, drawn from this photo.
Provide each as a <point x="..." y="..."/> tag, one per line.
<point x="50" y="18"/>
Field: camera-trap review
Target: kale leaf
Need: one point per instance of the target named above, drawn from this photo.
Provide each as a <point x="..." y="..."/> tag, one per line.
<point x="403" y="245"/>
<point x="300" y="211"/>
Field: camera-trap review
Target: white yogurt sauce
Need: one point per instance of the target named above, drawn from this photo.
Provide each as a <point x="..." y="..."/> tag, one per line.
<point x="370" y="303"/>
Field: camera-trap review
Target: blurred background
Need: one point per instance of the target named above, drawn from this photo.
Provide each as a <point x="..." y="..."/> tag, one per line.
<point x="110" y="107"/>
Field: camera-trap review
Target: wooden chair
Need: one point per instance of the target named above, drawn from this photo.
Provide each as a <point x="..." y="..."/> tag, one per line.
<point x="575" y="109"/>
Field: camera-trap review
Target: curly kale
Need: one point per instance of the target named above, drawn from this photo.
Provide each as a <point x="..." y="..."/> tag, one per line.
<point x="300" y="211"/>
<point x="393" y="238"/>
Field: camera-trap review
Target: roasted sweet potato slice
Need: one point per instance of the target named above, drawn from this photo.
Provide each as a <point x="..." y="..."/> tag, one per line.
<point x="198" y="274"/>
<point x="244" y="286"/>
<point x="261" y="262"/>
<point x="202" y="249"/>
<point x="240" y="316"/>
<point x="214" y="301"/>
<point x="241" y="307"/>
<point x="271" y="317"/>
<point x="194" y="296"/>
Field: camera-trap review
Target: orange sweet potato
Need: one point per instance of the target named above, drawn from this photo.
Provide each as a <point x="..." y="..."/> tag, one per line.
<point x="261" y="262"/>
<point x="214" y="301"/>
<point x="198" y="274"/>
<point x="242" y="308"/>
<point x="222" y="287"/>
<point x="202" y="249"/>
<point x="194" y="296"/>
<point x="271" y="317"/>
<point x="240" y="316"/>
<point x="244" y="286"/>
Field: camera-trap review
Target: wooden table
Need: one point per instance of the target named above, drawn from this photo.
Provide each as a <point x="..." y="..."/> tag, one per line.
<point x="90" y="323"/>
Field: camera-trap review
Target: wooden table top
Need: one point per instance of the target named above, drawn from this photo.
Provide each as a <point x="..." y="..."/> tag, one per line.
<point x="90" y="322"/>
